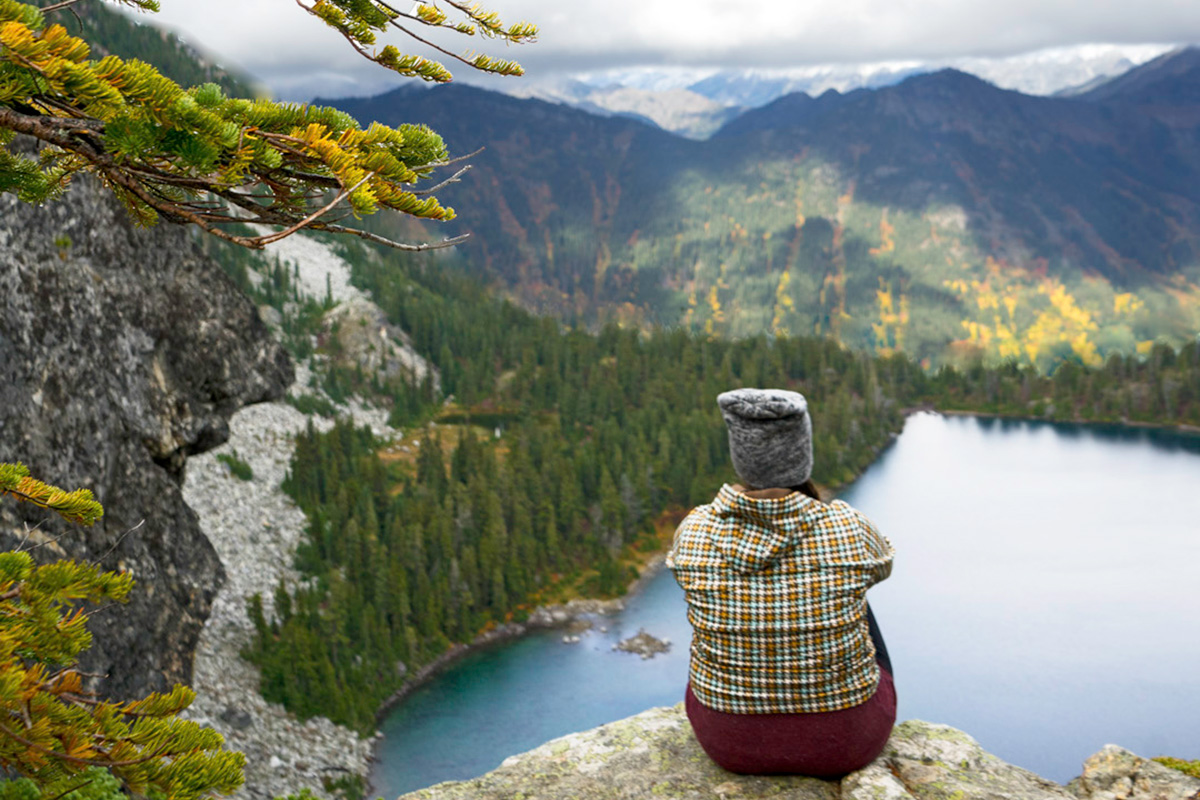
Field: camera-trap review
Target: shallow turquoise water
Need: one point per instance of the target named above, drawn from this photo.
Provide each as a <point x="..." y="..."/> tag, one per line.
<point x="1044" y="600"/>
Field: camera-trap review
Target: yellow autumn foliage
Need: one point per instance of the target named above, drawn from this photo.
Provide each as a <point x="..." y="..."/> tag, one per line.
<point x="783" y="305"/>
<point x="887" y="243"/>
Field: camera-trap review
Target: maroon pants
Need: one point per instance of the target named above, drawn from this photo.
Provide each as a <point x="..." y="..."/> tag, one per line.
<point x="828" y="744"/>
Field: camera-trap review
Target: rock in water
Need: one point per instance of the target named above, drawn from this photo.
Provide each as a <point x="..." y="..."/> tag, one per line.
<point x="643" y="644"/>
<point x="122" y="351"/>
<point x="654" y="754"/>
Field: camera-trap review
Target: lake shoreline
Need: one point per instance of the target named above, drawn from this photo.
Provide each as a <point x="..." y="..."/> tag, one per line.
<point x="543" y="618"/>
<point x="1179" y="427"/>
<point x="562" y="615"/>
<point x="557" y="616"/>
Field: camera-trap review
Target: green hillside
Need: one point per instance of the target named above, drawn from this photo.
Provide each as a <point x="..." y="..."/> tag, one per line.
<point x="565" y="454"/>
<point x="942" y="217"/>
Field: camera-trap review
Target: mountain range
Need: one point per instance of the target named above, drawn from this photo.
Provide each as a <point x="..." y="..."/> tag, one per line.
<point x="940" y="215"/>
<point x="696" y="102"/>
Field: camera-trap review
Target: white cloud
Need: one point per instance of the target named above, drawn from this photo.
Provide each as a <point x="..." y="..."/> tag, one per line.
<point x="298" y="56"/>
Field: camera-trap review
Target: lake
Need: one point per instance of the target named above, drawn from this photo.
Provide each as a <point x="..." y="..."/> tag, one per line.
<point x="1044" y="599"/>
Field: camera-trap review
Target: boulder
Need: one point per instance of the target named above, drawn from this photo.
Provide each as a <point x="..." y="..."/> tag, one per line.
<point x="654" y="754"/>
<point x="937" y="762"/>
<point x="1117" y="774"/>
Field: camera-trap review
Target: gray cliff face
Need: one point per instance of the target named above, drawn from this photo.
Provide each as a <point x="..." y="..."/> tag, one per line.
<point x="654" y="754"/>
<point x="123" y="351"/>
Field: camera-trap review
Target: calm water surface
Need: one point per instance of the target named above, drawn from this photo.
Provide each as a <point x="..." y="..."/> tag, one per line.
<point x="1043" y="599"/>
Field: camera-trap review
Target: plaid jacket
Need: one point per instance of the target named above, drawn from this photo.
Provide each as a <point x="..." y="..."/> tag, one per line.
<point x="776" y="593"/>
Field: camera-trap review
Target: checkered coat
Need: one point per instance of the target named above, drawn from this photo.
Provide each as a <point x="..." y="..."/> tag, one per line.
<point x="776" y="592"/>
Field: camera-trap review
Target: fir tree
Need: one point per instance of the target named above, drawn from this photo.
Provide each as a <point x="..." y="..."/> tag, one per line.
<point x="52" y="728"/>
<point x="199" y="157"/>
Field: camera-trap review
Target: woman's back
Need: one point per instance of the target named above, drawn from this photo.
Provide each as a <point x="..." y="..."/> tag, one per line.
<point x="776" y="592"/>
<point x="785" y="673"/>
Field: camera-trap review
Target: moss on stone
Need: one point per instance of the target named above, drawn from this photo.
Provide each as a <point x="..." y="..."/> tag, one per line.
<point x="1191" y="768"/>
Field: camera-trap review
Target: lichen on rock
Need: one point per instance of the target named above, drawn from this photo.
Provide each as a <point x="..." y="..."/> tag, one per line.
<point x="653" y="754"/>
<point x="1116" y="774"/>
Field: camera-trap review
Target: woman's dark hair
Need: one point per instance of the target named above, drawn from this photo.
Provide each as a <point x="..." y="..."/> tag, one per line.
<point x="807" y="488"/>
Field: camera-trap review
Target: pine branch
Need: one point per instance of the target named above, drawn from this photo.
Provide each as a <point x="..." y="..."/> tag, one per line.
<point x="77" y="506"/>
<point x="196" y="157"/>
<point x="359" y="30"/>
<point x="89" y="762"/>
<point x="52" y="729"/>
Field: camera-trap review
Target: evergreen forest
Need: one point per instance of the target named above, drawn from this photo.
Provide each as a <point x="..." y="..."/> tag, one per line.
<point x="550" y="456"/>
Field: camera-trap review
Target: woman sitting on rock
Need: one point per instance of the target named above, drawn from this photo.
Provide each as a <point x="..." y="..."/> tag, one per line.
<point x="789" y="673"/>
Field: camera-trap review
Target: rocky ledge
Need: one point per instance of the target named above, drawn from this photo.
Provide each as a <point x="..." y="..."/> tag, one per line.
<point x="123" y="351"/>
<point x="654" y="754"/>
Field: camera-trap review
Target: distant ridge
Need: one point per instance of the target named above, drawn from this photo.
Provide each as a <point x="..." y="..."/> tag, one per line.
<point x="941" y="190"/>
<point x="1166" y="89"/>
<point x="673" y="96"/>
<point x="1170" y="79"/>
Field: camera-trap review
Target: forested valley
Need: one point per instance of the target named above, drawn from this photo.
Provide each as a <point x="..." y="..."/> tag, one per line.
<point x="541" y="458"/>
<point x="550" y="457"/>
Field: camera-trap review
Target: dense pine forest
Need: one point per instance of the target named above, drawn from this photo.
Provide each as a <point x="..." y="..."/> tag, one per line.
<point x="547" y="458"/>
<point x="548" y="453"/>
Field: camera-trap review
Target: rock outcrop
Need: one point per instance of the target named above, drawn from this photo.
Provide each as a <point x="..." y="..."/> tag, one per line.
<point x="654" y="754"/>
<point x="122" y="352"/>
<point x="356" y="330"/>
<point x="1117" y="774"/>
<point x="643" y="644"/>
<point x="255" y="528"/>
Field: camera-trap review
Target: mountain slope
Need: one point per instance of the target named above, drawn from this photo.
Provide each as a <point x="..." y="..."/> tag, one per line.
<point x="1040" y="178"/>
<point x="550" y="198"/>
<point x="1167" y="89"/>
<point x="109" y="32"/>
<point x="1169" y="79"/>
<point x="942" y="216"/>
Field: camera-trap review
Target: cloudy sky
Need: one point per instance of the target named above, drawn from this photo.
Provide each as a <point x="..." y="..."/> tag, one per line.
<point x="298" y="56"/>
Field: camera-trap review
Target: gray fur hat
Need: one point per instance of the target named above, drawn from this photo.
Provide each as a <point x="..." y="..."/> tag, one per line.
<point x="770" y="436"/>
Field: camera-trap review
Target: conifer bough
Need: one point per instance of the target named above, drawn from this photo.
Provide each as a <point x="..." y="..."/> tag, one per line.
<point x="52" y="728"/>
<point x="195" y="156"/>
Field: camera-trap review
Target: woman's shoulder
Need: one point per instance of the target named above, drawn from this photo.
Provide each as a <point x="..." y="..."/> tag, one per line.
<point x="698" y="519"/>
<point x="866" y="529"/>
<point x="844" y="509"/>
<point x="691" y="547"/>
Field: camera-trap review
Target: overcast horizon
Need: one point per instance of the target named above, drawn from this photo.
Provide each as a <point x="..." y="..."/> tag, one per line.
<point x="275" y="41"/>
